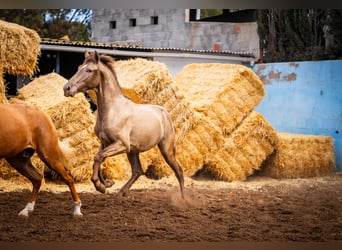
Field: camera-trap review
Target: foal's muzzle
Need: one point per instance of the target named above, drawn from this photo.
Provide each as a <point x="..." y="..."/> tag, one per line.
<point x="67" y="90"/>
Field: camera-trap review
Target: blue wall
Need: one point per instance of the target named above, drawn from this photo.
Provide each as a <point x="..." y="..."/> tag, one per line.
<point x="305" y="98"/>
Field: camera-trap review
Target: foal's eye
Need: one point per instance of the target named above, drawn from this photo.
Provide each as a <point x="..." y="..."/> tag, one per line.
<point x="88" y="70"/>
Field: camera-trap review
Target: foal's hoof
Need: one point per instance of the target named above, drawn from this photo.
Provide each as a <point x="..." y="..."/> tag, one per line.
<point x="109" y="183"/>
<point x="99" y="186"/>
<point x="122" y="193"/>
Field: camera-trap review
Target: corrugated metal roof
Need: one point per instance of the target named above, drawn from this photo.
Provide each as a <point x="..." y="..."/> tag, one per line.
<point x="135" y="46"/>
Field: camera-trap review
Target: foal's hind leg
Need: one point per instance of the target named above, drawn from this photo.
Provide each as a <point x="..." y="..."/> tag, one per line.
<point x="22" y="163"/>
<point x="136" y="172"/>
<point x="169" y="153"/>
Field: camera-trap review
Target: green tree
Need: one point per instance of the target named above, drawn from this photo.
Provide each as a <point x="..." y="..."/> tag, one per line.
<point x="298" y="34"/>
<point x="52" y="23"/>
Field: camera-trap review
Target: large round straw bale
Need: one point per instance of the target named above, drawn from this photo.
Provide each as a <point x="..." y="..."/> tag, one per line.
<point x="19" y="49"/>
<point x="299" y="156"/>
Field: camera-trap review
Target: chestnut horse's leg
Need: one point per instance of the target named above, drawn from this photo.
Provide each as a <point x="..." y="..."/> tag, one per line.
<point x="51" y="154"/>
<point x="136" y="172"/>
<point x="22" y="163"/>
<point x="55" y="163"/>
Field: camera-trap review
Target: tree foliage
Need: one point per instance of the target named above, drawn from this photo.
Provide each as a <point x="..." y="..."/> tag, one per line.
<point x="52" y="23"/>
<point x="300" y="34"/>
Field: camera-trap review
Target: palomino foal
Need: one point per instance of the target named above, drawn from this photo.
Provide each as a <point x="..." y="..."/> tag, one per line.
<point x="122" y="125"/>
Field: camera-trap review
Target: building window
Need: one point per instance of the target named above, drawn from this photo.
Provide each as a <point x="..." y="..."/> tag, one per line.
<point x="154" y="20"/>
<point x="112" y="24"/>
<point x="132" y="22"/>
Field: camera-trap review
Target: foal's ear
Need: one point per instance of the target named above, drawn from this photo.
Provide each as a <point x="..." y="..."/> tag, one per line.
<point x="96" y="56"/>
<point x="86" y="54"/>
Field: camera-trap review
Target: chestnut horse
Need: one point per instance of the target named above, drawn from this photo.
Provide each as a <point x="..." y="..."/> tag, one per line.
<point x="24" y="130"/>
<point x="122" y="125"/>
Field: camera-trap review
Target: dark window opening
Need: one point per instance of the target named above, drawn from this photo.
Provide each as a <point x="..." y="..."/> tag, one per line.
<point x="154" y="20"/>
<point x="112" y="24"/>
<point x="132" y="22"/>
<point x="225" y="15"/>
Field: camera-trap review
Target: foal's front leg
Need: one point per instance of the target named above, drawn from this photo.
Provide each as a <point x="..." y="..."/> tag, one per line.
<point x="106" y="182"/>
<point x="111" y="150"/>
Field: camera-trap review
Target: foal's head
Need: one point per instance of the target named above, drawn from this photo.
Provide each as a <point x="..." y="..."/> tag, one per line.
<point x="88" y="75"/>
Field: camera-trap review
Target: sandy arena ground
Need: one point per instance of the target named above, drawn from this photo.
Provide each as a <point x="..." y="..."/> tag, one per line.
<point x="258" y="210"/>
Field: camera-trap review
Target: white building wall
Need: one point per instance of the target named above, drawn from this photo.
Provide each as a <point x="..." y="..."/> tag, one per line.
<point x="173" y="31"/>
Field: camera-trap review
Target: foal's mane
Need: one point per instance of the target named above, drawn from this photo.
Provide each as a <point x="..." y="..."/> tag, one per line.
<point x="108" y="61"/>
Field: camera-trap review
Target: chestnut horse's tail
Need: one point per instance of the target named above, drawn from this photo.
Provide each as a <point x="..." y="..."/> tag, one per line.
<point x="67" y="154"/>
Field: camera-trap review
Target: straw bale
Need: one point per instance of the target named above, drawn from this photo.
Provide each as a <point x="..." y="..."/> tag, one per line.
<point x="207" y="102"/>
<point x="7" y="172"/>
<point x="3" y="98"/>
<point x="141" y="79"/>
<point x="19" y="50"/>
<point x="243" y="151"/>
<point x="85" y="145"/>
<point x="200" y="141"/>
<point x="69" y="115"/>
<point x="181" y="114"/>
<point x="300" y="156"/>
<point x="224" y="93"/>
<point x="74" y="123"/>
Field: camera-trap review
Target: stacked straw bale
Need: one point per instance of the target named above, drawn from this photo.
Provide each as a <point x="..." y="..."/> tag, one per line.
<point x="299" y="156"/>
<point x="206" y="103"/>
<point x="145" y="81"/>
<point x="3" y="98"/>
<point x="224" y="93"/>
<point x="19" y="49"/>
<point x="74" y="122"/>
<point x="243" y="152"/>
<point x="141" y="80"/>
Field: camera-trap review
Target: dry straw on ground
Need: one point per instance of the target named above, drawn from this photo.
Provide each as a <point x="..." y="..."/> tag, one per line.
<point x="19" y="49"/>
<point x="299" y="156"/>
